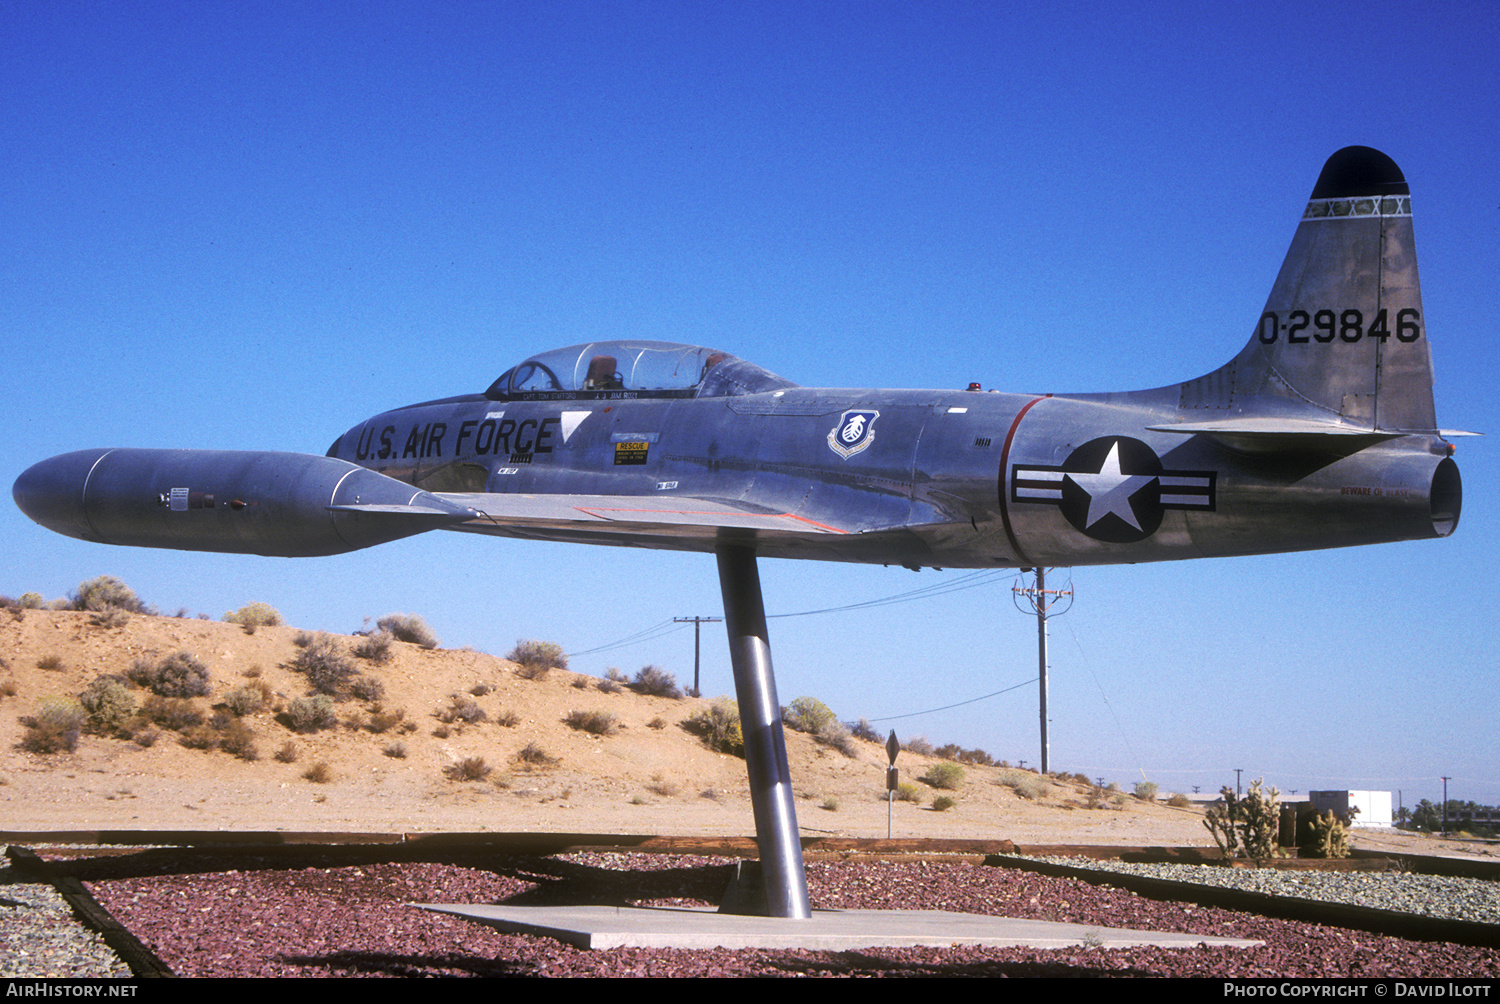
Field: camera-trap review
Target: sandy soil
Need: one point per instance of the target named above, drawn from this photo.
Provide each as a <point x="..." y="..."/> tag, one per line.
<point x="651" y="777"/>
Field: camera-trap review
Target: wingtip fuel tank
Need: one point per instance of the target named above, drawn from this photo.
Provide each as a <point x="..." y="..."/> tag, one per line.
<point x="283" y="504"/>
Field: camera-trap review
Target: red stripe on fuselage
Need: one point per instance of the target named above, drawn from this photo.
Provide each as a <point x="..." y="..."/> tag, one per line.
<point x="1015" y="424"/>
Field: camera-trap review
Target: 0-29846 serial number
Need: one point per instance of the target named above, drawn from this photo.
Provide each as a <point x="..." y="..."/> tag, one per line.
<point x="1324" y="326"/>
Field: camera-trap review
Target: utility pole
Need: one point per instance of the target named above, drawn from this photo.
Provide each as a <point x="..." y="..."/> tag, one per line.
<point x="696" y="621"/>
<point x="1445" y="806"/>
<point x="1041" y="600"/>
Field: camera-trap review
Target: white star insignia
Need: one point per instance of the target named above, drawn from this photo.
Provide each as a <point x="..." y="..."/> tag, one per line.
<point x="1110" y="491"/>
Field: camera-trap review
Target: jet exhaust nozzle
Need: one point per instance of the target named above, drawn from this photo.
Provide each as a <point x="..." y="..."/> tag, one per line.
<point x="282" y="504"/>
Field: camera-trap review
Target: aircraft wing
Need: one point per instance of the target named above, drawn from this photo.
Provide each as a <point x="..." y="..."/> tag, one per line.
<point x="607" y="516"/>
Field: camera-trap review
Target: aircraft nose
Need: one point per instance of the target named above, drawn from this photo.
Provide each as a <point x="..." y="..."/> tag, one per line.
<point x="51" y="492"/>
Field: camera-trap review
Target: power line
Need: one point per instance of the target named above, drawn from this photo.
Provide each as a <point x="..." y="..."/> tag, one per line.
<point x="970" y="581"/>
<point x="659" y="630"/>
<point x="946" y="707"/>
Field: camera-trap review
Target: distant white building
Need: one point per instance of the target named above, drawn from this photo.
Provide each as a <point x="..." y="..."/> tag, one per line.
<point x="1374" y="806"/>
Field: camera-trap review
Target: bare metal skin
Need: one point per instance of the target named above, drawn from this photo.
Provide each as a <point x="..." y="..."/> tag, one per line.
<point x="1319" y="433"/>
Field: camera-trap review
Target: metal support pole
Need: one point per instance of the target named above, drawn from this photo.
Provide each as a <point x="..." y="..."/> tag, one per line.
<point x="1041" y="654"/>
<point x="771" y="795"/>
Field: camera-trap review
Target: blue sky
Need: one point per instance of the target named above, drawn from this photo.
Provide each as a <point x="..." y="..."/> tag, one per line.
<point x="249" y="226"/>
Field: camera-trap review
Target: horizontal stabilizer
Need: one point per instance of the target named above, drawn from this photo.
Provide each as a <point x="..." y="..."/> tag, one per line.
<point x="1269" y="434"/>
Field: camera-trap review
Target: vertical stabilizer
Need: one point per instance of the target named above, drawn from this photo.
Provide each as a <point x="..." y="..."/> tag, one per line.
<point x="1343" y="339"/>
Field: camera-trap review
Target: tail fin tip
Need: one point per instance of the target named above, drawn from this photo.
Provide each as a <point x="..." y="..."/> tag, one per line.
<point x="1358" y="171"/>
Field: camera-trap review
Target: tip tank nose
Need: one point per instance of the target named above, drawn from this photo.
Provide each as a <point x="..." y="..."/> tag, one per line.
<point x="51" y="492"/>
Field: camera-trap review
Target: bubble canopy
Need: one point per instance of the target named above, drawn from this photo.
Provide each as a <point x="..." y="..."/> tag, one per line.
<point x="629" y="369"/>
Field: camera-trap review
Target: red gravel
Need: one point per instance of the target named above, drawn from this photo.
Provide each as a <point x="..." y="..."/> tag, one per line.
<point x="353" y="920"/>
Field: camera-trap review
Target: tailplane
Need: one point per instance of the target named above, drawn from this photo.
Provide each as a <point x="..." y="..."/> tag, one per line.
<point x="1341" y="348"/>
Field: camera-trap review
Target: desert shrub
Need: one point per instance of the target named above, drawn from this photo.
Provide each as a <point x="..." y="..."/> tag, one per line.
<point x="661" y="786"/>
<point x="533" y="755"/>
<point x="238" y="739"/>
<point x="381" y="720"/>
<point x="835" y="734"/>
<point x="718" y="725"/>
<point x="862" y="729"/>
<point x="319" y="773"/>
<point x="288" y="752"/>
<point x="8" y="688"/>
<point x="1145" y="791"/>
<point x="110" y="618"/>
<point x="442" y="732"/>
<point x="470" y="769"/>
<point x="581" y="682"/>
<point x="949" y="751"/>
<point x="254" y="615"/>
<point x="50" y="662"/>
<point x="831" y="803"/>
<point x="55" y="727"/>
<point x="309" y="714"/>
<point x="367" y="688"/>
<point x="480" y="689"/>
<point x="943" y="803"/>
<point x="302" y="639"/>
<point x="657" y="723"/>
<point x="508" y="719"/>
<point x="395" y="750"/>
<point x="1027" y="784"/>
<point x="807" y="714"/>
<point x="250" y="699"/>
<point x="175" y="713"/>
<point x="653" y="681"/>
<point x="104" y="592"/>
<point x="109" y="704"/>
<point x="199" y="737"/>
<point x="535" y="659"/>
<point x="326" y="668"/>
<point x="1179" y="801"/>
<point x="375" y="646"/>
<point x="613" y="681"/>
<point x="596" y="723"/>
<point x="408" y="628"/>
<point x="146" y="737"/>
<point x="178" y="675"/>
<point x="599" y="723"/>
<point x="31" y="601"/>
<point x="461" y="709"/>
<point x="946" y="775"/>
<point x="980" y="758"/>
<point x="908" y="792"/>
<point x="918" y="745"/>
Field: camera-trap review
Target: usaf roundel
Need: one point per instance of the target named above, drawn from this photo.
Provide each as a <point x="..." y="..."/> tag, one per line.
<point x="854" y="433"/>
<point x="1114" y="489"/>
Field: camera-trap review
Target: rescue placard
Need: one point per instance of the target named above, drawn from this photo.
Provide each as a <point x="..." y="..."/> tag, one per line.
<point x="630" y="453"/>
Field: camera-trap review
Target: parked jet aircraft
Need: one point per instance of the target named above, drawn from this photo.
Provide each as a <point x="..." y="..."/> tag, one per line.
<point x="1319" y="433"/>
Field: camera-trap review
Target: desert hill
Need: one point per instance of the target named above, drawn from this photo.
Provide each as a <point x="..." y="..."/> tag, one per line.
<point x="650" y="776"/>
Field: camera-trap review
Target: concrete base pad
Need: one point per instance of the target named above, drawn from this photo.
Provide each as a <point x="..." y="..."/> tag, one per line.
<point x="828" y="930"/>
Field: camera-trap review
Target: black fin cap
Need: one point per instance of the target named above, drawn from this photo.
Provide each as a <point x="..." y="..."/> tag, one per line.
<point x="1358" y="170"/>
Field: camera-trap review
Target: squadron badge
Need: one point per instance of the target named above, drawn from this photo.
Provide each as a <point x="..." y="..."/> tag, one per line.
<point x="1114" y="489"/>
<point x="854" y="433"/>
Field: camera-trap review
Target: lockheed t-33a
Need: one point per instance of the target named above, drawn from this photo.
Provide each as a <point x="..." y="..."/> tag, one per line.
<point x="1319" y="433"/>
